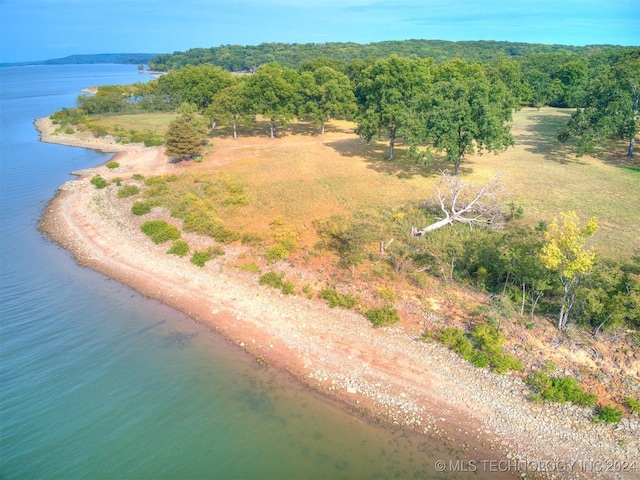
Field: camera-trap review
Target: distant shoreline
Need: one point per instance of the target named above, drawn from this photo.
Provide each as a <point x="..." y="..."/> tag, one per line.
<point x="383" y="373"/>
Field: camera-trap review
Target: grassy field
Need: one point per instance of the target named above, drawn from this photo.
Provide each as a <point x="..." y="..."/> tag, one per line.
<point x="154" y="122"/>
<point x="302" y="177"/>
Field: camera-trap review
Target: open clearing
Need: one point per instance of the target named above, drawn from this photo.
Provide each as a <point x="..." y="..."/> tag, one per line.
<point x="302" y="176"/>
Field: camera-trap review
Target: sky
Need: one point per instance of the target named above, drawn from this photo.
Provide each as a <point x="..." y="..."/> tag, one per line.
<point x="43" y="29"/>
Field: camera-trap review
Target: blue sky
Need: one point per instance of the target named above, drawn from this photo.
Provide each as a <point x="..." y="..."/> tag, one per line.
<point x="43" y="29"/>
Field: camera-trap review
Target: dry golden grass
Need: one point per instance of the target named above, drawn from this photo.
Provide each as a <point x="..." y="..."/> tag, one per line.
<point x="303" y="176"/>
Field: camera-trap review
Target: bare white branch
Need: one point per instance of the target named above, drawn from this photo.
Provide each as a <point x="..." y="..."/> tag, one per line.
<point x="462" y="202"/>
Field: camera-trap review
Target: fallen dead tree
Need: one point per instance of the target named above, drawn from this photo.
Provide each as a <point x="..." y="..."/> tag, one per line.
<point x="466" y="203"/>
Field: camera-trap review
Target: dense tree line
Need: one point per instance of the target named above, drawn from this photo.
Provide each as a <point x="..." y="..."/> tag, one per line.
<point x="454" y="106"/>
<point x="237" y="58"/>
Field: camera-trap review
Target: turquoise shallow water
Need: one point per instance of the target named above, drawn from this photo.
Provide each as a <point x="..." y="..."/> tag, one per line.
<point x="99" y="382"/>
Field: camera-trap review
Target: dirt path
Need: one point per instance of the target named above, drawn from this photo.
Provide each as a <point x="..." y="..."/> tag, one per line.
<point x="384" y="372"/>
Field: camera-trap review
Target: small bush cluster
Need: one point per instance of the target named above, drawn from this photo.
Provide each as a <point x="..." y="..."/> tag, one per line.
<point x="179" y="248"/>
<point x="482" y="348"/>
<point x="111" y="165"/>
<point x="272" y="279"/>
<point x="99" y="182"/>
<point x="607" y="414"/>
<point x="335" y="299"/>
<point x="277" y="252"/>
<point x="558" y="389"/>
<point x="141" y="207"/>
<point x="633" y="404"/>
<point x="128" y="191"/>
<point x="199" y="258"/>
<point x="277" y="281"/>
<point x="383" y="316"/>
<point x="160" y="231"/>
<point x="251" y="267"/>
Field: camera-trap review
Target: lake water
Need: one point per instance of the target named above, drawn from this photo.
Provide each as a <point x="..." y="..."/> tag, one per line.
<point x="99" y="382"/>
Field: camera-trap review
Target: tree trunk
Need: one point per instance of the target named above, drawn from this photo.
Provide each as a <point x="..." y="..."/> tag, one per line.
<point x="524" y="291"/>
<point x="563" y="308"/>
<point x="272" y="127"/>
<point x="631" y="145"/>
<point x="456" y="168"/>
<point x="392" y="141"/>
<point x="235" y="119"/>
<point x="533" y="306"/>
<point x="434" y="226"/>
<point x="322" y="130"/>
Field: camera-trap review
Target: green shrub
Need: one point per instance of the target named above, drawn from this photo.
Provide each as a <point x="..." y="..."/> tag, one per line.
<point x="456" y="340"/>
<point x="112" y="165"/>
<point x="277" y="252"/>
<point x="200" y="258"/>
<point x="251" y="267"/>
<point x="607" y="414"/>
<point x="216" y="251"/>
<point x="137" y="176"/>
<point x="160" y="231"/>
<point x="288" y="288"/>
<point x="99" y="182"/>
<point x="633" y="404"/>
<point x="128" y="191"/>
<point x="179" y="248"/>
<point x="117" y="181"/>
<point x="483" y="348"/>
<point x="335" y="299"/>
<point x="559" y="389"/>
<point x="383" y="316"/>
<point x="141" y="207"/>
<point x="272" y="279"/>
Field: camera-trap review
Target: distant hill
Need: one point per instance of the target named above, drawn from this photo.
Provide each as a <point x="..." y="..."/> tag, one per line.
<point x="122" y="58"/>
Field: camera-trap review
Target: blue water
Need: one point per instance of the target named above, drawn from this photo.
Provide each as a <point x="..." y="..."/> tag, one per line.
<point x="99" y="382"/>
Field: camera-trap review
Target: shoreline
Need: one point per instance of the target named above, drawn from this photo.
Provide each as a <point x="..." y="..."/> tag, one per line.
<point x="385" y="373"/>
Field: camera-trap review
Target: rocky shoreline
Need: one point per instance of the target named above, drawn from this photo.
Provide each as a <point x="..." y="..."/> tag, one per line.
<point x="385" y="373"/>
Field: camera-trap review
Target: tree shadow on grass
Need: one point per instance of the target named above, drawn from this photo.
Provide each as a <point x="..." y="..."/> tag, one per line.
<point x="541" y="138"/>
<point x="402" y="166"/>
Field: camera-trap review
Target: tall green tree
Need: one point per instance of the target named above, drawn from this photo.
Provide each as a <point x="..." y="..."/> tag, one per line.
<point x="231" y="106"/>
<point x="565" y="254"/>
<point x="611" y="109"/>
<point x="271" y="90"/>
<point x="195" y="84"/>
<point x="185" y="135"/>
<point x="324" y="94"/>
<point x="385" y="94"/>
<point x="466" y="112"/>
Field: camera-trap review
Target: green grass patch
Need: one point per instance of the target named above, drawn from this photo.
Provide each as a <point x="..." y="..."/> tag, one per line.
<point x="199" y="258"/>
<point x="483" y="347"/>
<point x="607" y="414"/>
<point x="160" y="231"/>
<point x="272" y="279"/>
<point x="276" y="253"/>
<point x="141" y="207"/>
<point x="382" y="316"/>
<point x="251" y="267"/>
<point x="633" y="404"/>
<point x="128" y="191"/>
<point x="112" y="165"/>
<point x="558" y="389"/>
<point x="99" y="182"/>
<point x="335" y="299"/>
<point x="179" y="248"/>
